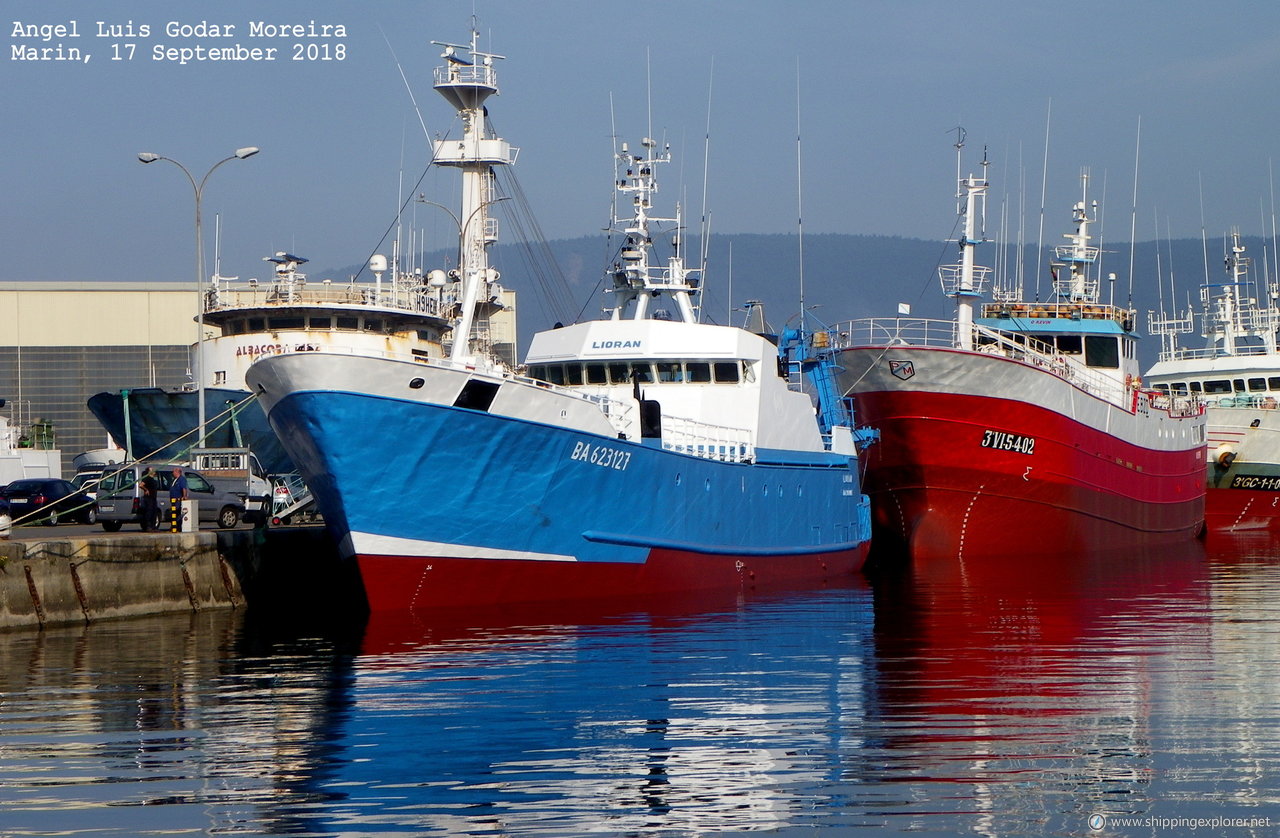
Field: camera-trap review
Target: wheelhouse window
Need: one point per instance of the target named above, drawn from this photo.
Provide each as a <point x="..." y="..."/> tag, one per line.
<point x="348" y="324"/>
<point x="619" y="373"/>
<point x="699" y="372"/>
<point x="373" y="325"/>
<point x="1217" y="386"/>
<point x="1070" y="344"/>
<point x="1101" y="351"/>
<point x="286" y="324"/>
<point x="257" y="324"/>
<point x="726" y="372"/>
<point x="670" y="371"/>
<point x="325" y="323"/>
<point x="573" y="374"/>
<point x="1256" y="384"/>
<point x="597" y="374"/>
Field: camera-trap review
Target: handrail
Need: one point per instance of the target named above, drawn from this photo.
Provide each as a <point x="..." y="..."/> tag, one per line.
<point x="898" y="331"/>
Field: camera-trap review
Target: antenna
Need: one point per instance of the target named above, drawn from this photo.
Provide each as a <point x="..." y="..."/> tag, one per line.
<point x="1133" y="224"/>
<point x="799" y="198"/>
<point x="1276" y="253"/>
<point x="1044" y="187"/>
<point x="705" y="234"/>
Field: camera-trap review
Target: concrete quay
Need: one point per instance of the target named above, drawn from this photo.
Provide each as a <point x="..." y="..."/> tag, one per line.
<point x="79" y="579"/>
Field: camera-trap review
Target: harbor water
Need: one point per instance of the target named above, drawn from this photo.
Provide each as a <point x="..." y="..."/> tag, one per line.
<point x="1035" y="695"/>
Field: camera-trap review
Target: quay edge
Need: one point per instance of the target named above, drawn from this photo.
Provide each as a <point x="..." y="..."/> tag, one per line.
<point x="57" y="581"/>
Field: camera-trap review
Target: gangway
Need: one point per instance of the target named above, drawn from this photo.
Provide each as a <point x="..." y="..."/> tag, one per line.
<point x="291" y="501"/>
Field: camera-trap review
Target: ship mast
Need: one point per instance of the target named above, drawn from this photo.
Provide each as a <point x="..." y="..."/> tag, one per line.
<point x="1079" y="256"/>
<point x="965" y="282"/>
<point x="466" y="83"/>
<point x="636" y="282"/>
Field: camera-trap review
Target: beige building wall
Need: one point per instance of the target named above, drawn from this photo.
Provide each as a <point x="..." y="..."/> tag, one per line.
<point x="97" y="314"/>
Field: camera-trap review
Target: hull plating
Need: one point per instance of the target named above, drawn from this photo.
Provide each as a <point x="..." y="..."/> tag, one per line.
<point x="447" y="506"/>
<point x="161" y="424"/>
<point x="959" y="473"/>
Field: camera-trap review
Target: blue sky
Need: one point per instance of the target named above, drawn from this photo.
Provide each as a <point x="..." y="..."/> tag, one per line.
<point x="878" y="86"/>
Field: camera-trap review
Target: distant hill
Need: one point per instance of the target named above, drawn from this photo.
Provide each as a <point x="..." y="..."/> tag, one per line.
<point x="845" y="276"/>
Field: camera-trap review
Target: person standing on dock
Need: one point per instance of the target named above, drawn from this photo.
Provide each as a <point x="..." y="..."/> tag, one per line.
<point x="177" y="494"/>
<point x="178" y="488"/>
<point x="150" y="501"/>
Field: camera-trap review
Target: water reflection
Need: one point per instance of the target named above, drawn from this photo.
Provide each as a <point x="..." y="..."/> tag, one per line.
<point x="1006" y="698"/>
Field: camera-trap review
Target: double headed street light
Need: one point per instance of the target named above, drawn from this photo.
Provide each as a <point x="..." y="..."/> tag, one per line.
<point x="198" y="372"/>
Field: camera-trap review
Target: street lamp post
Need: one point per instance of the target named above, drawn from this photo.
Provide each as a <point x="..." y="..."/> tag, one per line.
<point x="198" y="372"/>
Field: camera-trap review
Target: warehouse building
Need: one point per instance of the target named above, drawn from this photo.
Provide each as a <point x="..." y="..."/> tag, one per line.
<point x="61" y="342"/>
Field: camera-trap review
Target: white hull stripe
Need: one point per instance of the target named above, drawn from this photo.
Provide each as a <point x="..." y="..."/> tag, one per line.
<point x="368" y="544"/>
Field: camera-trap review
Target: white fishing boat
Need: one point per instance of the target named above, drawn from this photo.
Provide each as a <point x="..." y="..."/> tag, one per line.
<point x="1237" y="374"/>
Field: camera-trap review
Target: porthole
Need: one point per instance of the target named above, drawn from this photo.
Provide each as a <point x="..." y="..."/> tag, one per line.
<point x="678" y="479"/>
<point x="416" y="384"/>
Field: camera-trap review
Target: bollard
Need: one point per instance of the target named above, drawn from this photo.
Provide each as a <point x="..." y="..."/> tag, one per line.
<point x="182" y="515"/>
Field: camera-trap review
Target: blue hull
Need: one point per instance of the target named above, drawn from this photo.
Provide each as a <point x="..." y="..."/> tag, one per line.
<point x="161" y="424"/>
<point x="529" y="506"/>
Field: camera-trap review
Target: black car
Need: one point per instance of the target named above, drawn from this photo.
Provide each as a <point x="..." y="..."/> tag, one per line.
<point x="50" y="500"/>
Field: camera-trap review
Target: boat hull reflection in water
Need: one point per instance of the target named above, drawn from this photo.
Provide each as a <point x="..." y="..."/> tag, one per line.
<point x="1015" y="698"/>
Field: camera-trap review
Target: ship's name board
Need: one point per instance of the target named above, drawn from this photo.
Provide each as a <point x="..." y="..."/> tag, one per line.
<point x="1257" y="482"/>
<point x="257" y="350"/>
<point x="615" y="344"/>
<point x="1008" y="442"/>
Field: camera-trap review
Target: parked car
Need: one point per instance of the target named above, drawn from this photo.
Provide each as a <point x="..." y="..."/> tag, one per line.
<point x="120" y="496"/>
<point x="50" y="500"/>
<point x="87" y="481"/>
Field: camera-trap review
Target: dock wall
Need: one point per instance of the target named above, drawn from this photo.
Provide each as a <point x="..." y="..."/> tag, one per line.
<point x="89" y="578"/>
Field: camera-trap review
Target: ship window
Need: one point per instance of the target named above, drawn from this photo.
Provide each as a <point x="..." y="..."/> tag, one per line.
<point x="1163" y="388"/>
<point x="573" y="374"/>
<point x="699" y="372"/>
<point x="536" y="373"/>
<point x="1257" y="384"/>
<point x="1239" y="385"/>
<point x="596" y="374"/>
<point x="257" y="324"/>
<point x="1101" y="351"/>
<point x="286" y="323"/>
<point x="1273" y="383"/>
<point x="1180" y="387"/>
<point x="325" y="323"/>
<point x="555" y="373"/>
<point x="1070" y="344"/>
<point x="349" y="323"/>
<point x="1219" y="385"/>
<point x="726" y="371"/>
<point x="1197" y="387"/>
<point x="670" y="371"/>
<point x="643" y="373"/>
<point x="619" y="374"/>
